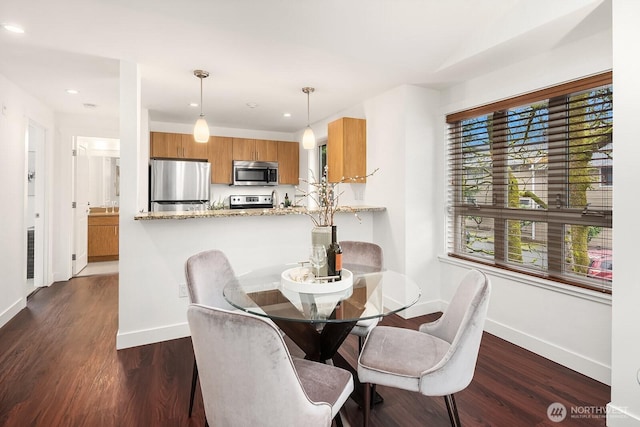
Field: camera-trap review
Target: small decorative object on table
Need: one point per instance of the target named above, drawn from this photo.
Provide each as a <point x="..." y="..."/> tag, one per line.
<point x="302" y="280"/>
<point x="326" y="196"/>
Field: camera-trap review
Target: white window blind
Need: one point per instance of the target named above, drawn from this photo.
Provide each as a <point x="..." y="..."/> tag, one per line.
<point x="531" y="181"/>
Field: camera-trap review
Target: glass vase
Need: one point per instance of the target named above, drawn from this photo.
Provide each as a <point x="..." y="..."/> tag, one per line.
<point x="321" y="235"/>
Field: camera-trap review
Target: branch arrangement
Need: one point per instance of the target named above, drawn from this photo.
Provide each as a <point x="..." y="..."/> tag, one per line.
<point x="326" y="195"/>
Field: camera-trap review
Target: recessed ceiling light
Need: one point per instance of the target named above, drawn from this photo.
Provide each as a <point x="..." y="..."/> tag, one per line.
<point x="193" y="104"/>
<point x="13" y="28"/>
<point x="286" y="115"/>
<point x="72" y="91"/>
<point x="252" y="104"/>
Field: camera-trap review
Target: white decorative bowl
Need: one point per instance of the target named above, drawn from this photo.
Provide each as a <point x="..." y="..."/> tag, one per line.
<point x="301" y="280"/>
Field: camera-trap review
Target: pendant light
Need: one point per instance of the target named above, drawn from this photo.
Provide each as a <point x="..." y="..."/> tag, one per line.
<point x="308" y="138"/>
<point x="201" y="129"/>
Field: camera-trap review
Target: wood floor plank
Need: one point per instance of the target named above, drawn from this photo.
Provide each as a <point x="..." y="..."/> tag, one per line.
<point x="59" y="367"/>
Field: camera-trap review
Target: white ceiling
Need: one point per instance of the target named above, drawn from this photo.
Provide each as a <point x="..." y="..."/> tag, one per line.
<point x="265" y="51"/>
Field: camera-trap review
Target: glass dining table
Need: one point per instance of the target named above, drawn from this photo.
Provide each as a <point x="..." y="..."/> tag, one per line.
<point x="319" y="316"/>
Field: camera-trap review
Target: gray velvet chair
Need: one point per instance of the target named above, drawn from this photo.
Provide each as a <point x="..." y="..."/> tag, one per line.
<point x="368" y="255"/>
<point x="437" y="360"/>
<point x="207" y="273"/>
<point x="248" y="377"/>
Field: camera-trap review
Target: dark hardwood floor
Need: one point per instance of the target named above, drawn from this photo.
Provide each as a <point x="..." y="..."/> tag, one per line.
<point x="59" y="367"/>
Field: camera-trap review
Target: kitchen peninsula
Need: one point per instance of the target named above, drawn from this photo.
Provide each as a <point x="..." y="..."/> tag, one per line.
<point x="225" y="213"/>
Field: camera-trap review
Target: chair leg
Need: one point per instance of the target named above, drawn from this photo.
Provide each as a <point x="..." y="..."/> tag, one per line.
<point x="366" y="405"/>
<point x="194" y="380"/>
<point x="373" y="396"/>
<point x="453" y="410"/>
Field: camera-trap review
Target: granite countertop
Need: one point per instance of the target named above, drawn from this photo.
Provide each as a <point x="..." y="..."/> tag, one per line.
<point x="225" y="213"/>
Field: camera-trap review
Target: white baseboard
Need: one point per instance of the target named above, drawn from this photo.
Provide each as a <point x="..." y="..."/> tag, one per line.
<point x="12" y="310"/>
<point x="620" y="417"/>
<point x="571" y="360"/>
<point x="151" y="336"/>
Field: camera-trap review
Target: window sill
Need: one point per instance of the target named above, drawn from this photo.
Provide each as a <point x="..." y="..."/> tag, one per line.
<point x="575" y="291"/>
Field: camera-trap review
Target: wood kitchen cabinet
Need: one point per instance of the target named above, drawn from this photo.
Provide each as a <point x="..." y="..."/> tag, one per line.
<point x="289" y="162"/>
<point x="255" y="149"/>
<point x="221" y="156"/>
<point x="220" y="151"/>
<point x="176" y="146"/>
<point x="347" y="149"/>
<point x="103" y="237"/>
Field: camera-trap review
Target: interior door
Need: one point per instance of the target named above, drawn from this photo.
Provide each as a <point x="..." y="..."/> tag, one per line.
<point x="81" y="211"/>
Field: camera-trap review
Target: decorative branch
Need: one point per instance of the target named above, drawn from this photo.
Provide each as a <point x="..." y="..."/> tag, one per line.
<point x="326" y="195"/>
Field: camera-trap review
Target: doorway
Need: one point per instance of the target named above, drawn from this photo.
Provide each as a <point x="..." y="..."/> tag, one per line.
<point x="96" y="192"/>
<point x="35" y="210"/>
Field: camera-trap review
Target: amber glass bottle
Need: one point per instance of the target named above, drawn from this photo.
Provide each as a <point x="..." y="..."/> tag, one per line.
<point x="334" y="255"/>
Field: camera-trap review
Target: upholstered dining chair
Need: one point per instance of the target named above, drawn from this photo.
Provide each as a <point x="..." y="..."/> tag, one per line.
<point x="207" y="273"/>
<point x="439" y="358"/>
<point x="252" y="380"/>
<point x="368" y="255"/>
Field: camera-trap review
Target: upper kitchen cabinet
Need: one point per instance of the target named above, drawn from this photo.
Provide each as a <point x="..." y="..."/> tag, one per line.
<point x="347" y="149"/>
<point x="288" y="162"/>
<point x="176" y="146"/>
<point x="255" y="149"/>
<point x="220" y="157"/>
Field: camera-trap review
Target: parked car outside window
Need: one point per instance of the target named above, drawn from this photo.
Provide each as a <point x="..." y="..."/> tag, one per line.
<point x="601" y="264"/>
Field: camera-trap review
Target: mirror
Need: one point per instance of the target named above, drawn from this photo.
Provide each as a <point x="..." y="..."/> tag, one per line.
<point x="104" y="170"/>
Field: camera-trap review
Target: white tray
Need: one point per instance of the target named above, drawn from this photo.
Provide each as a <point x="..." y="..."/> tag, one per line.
<point x="295" y="279"/>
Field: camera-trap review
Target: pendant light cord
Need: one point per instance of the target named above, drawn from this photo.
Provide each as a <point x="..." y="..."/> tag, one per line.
<point x="201" y="113"/>
<point x="307" y="108"/>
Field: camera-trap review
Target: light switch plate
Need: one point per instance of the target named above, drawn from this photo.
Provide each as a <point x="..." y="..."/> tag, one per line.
<point x="182" y="290"/>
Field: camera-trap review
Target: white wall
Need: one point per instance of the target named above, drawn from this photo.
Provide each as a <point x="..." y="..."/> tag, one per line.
<point x="625" y="390"/>
<point x="16" y="108"/>
<point x="401" y="139"/>
<point x="571" y="327"/>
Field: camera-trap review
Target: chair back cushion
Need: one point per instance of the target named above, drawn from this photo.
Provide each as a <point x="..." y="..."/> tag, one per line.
<point x="207" y="273"/>
<point x="246" y="373"/>
<point x="461" y="325"/>
<point x="362" y="253"/>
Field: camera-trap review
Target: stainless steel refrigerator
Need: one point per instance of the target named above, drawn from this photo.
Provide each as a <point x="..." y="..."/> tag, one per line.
<point x="179" y="185"/>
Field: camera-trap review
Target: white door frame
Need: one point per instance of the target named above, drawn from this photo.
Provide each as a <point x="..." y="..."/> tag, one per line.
<point x="81" y="209"/>
<point x="35" y="205"/>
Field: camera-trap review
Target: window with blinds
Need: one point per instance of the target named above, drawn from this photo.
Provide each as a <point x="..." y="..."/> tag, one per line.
<point x="531" y="181"/>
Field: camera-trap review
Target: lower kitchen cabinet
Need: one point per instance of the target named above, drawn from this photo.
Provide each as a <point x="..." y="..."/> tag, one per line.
<point x="104" y="237"/>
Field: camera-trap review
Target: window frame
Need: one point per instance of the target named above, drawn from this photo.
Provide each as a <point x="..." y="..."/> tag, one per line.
<point x="557" y="216"/>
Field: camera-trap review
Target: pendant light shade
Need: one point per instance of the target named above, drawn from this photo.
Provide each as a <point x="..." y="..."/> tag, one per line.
<point x="201" y="128"/>
<point x="308" y="138"/>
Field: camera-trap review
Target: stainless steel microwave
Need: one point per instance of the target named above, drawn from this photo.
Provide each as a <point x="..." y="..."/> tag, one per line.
<point x="255" y="173"/>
